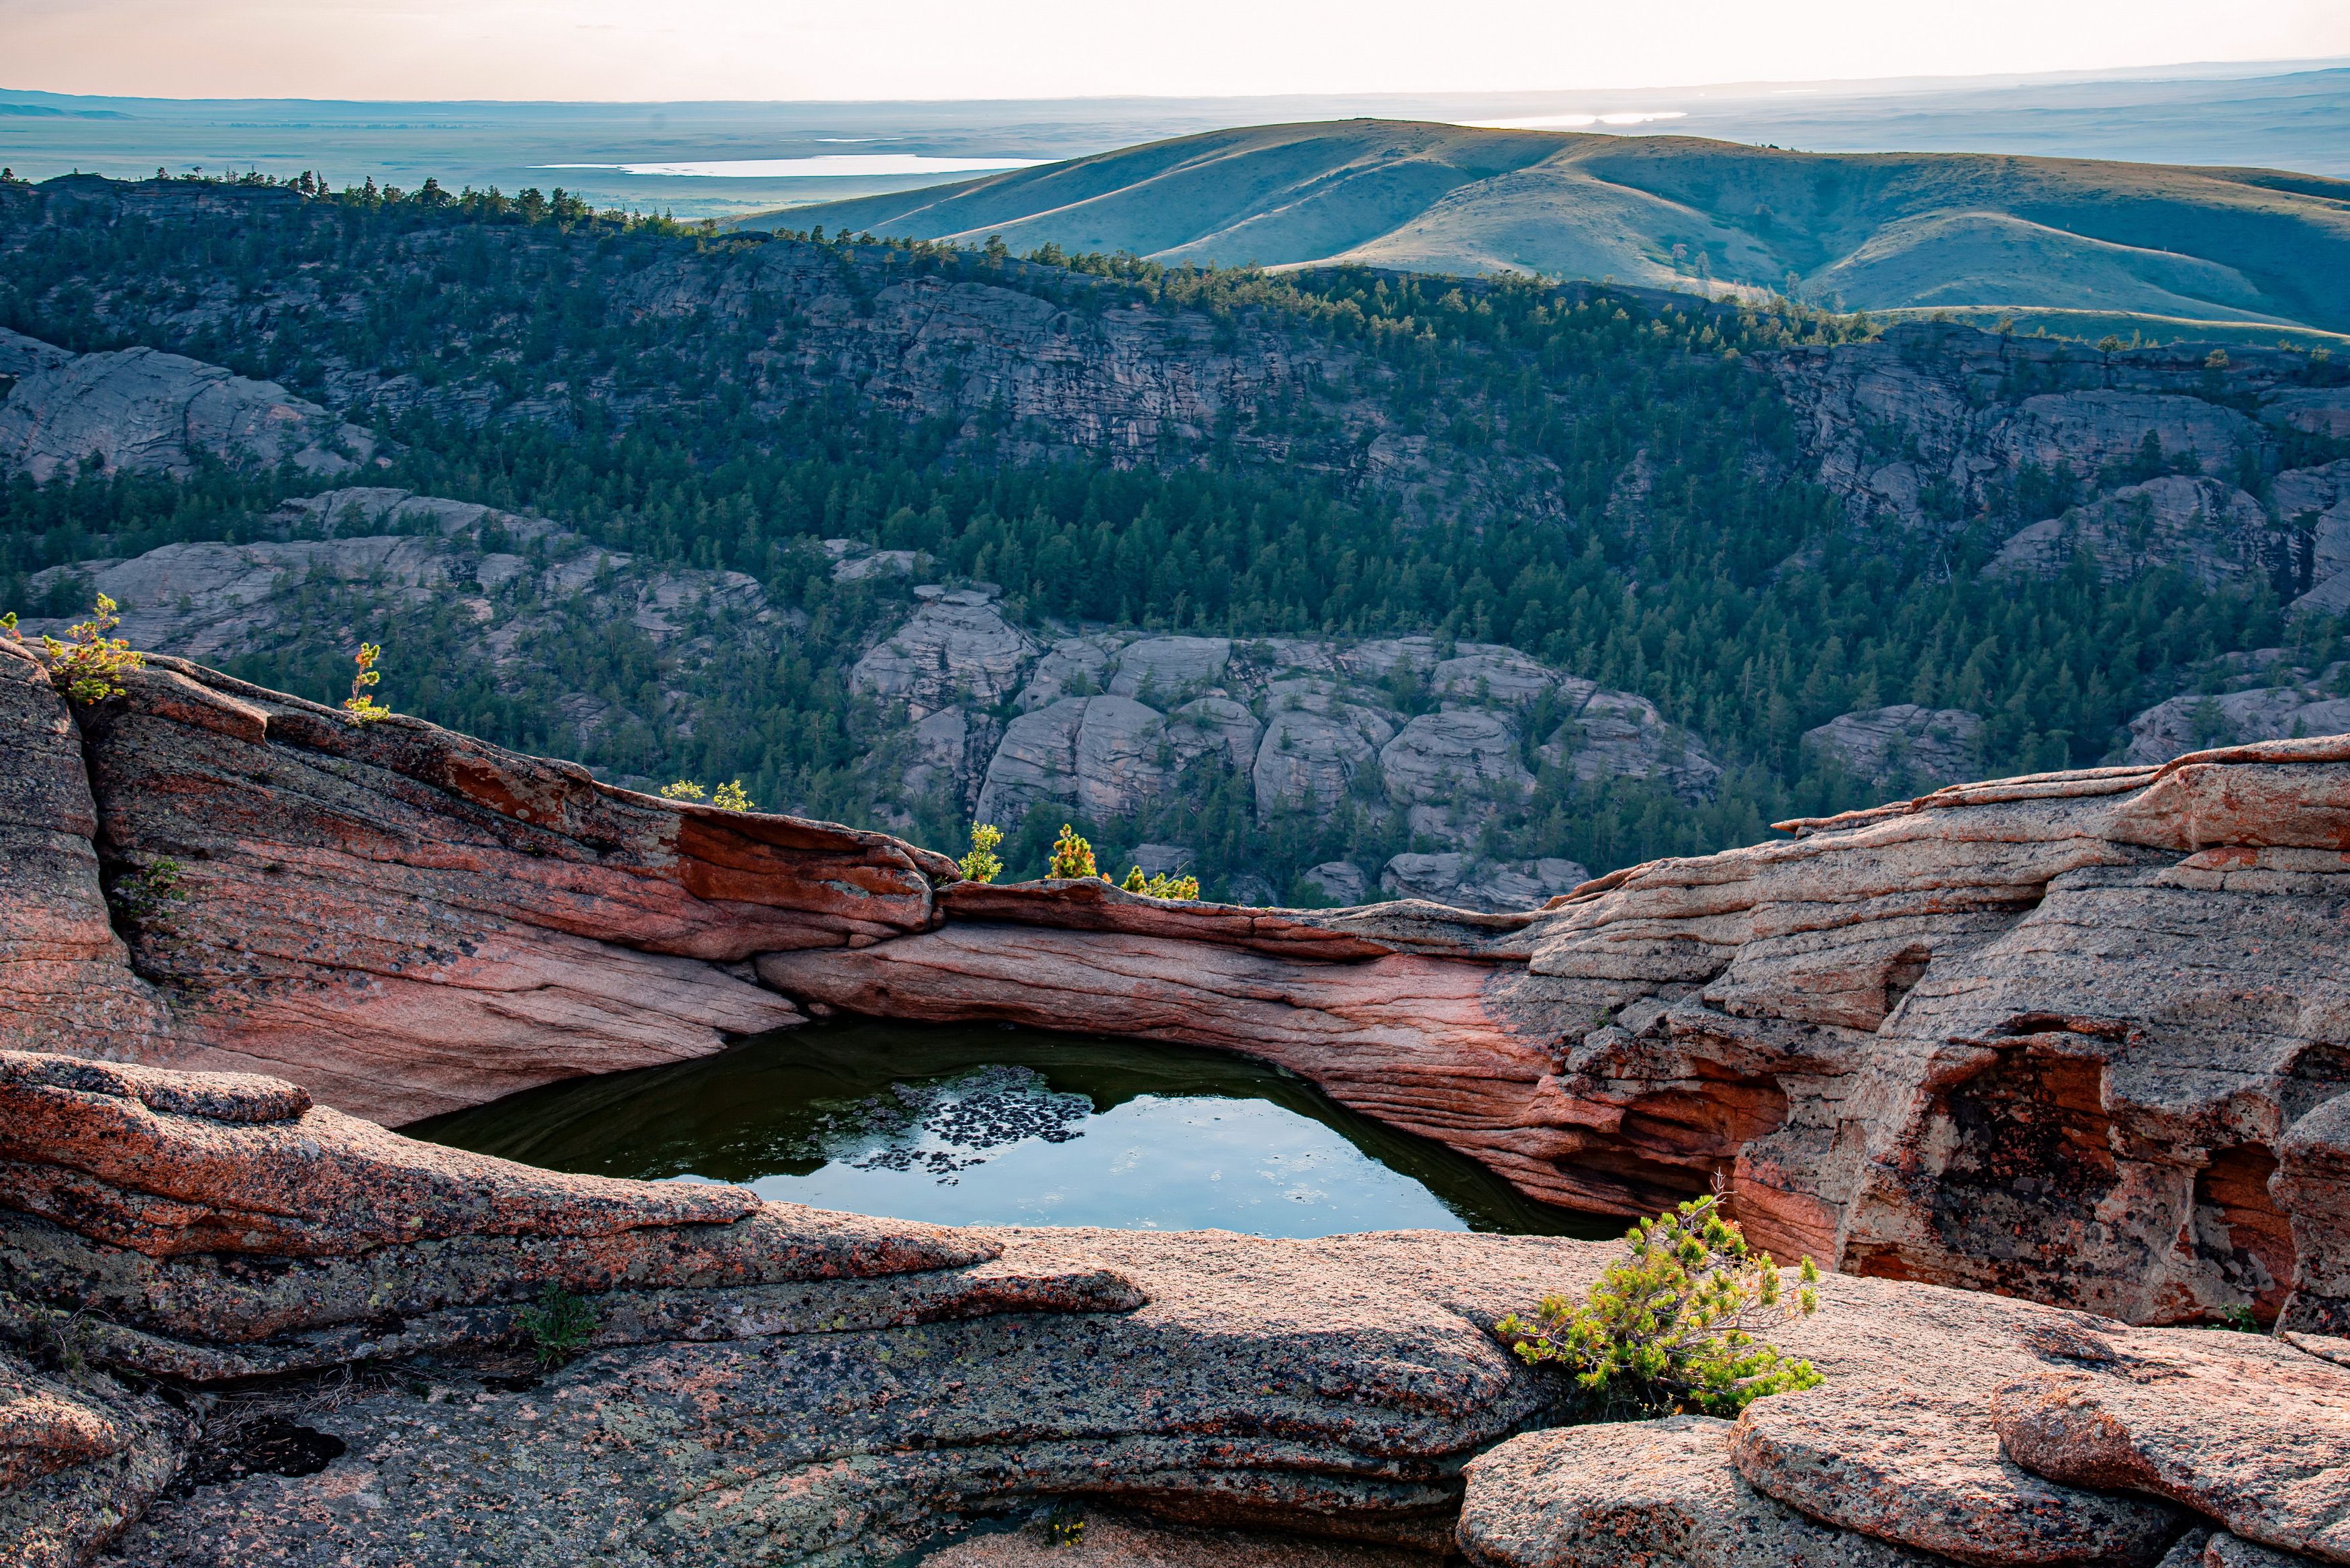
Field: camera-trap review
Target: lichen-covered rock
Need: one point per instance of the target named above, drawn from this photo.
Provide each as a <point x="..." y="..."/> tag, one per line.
<point x="1646" y="1494"/>
<point x="142" y="410"/>
<point x="1330" y="1387"/>
<point x="2242" y="1429"/>
<point x="1905" y="742"/>
<point x="1468" y="883"/>
<point x="1898" y="1442"/>
<point x="958" y="648"/>
<point x="82" y="1457"/>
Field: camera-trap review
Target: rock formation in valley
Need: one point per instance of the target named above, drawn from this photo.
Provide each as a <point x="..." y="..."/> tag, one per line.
<point x="2070" y="1037"/>
<point x="141" y="410"/>
<point x="2145" y="457"/>
<point x="1102" y="724"/>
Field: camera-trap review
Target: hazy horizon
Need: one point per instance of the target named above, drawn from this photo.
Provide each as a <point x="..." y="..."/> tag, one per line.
<point x="738" y="51"/>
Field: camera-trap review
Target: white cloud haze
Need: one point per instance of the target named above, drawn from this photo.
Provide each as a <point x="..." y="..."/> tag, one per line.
<point x="769" y="49"/>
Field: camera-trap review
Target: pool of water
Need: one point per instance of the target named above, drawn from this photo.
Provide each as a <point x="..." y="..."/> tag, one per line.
<point x="985" y="1125"/>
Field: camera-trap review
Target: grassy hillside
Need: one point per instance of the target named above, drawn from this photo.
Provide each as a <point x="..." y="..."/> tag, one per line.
<point x="1870" y="231"/>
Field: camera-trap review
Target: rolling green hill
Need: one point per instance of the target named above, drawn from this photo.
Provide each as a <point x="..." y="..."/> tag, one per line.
<point x="1870" y="231"/>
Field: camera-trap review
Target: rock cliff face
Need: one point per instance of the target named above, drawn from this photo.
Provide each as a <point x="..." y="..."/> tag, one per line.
<point x="1104" y="724"/>
<point x="142" y="410"/>
<point x="2076" y="1037"/>
<point x="2073" y="1037"/>
<point x="1931" y="423"/>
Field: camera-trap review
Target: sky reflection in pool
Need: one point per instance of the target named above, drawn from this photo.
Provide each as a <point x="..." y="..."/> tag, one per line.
<point x="987" y="1126"/>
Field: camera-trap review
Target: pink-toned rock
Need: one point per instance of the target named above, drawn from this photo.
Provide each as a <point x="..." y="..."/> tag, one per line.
<point x="2244" y="1429"/>
<point x="409" y="920"/>
<point x="1423" y="1043"/>
<point x="64" y="974"/>
<point x="1898" y="1442"/>
<point x="1646" y="1494"/>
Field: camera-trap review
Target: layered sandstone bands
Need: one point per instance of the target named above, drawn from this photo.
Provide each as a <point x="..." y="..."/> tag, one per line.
<point x="764" y="1382"/>
<point x="2072" y="1037"/>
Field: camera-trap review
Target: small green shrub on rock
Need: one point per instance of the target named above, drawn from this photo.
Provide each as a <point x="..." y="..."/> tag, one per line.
<point x="1071" y="856"/>
<point x="361" y="705"/>
<point x="558" y="1327"/>
<point x="727" y="796"/>
<point x="146" y="897"/>
<point x="1666" y="1329"/>
<point x="983" y="863"/>
<point x="1163" y="885"/>
<point x="89" y="666"/>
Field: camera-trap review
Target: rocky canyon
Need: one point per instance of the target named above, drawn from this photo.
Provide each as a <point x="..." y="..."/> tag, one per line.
<point x="2071" y="1039"/>
<point x="1504" y="659"/>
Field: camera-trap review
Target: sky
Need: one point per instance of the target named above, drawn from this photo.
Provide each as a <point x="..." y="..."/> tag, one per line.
<point x="792" y="49"/>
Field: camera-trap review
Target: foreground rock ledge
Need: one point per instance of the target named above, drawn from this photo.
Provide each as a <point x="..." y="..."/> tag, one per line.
<point x="2079" y="1038"/>
<point x="188" y="1266"/>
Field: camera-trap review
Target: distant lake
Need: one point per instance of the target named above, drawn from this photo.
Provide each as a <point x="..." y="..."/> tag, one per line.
<point x="825" y="166"/>
<point x="963" y="1124"/>
<point x="723" y="160"/>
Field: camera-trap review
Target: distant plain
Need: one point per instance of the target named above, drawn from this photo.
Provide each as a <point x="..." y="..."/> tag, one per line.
<point x="2291" y="116"/>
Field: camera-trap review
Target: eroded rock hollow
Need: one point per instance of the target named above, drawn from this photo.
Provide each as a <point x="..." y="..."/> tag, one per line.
<point x="2071" y="1037"/>
<point x="2077" y="1038"/>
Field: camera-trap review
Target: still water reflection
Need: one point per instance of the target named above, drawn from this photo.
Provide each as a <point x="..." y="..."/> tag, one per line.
<point x="981" y="1125"/>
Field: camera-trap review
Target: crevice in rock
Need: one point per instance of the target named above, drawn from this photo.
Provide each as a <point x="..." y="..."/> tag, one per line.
<point x="2318" y="1073"/>
<point x="2238" y="1231"/>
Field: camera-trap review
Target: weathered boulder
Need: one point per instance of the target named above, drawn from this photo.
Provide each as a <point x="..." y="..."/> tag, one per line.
<point x="2298" y="703"/>
<point x="1441" y="754"/>
<point x="1648" y="1494"/>
<point x="142" y="411"/>
<point x="1163" y="670"/>
<point x="1905" y="742"/>
<point x="1315" y="744"/>
<point x="2208" y="530"/>
<point x="82" y="1457"/>
<point x="1899" y="1443"/>
<point x="957" y="648"/>
<point x="1615" y="734"/>
<point x="1095" y="756"/>
<point x="2242" y="1429"/>
<point x="1340" y="881"/>
<point x="1465" y="882"/>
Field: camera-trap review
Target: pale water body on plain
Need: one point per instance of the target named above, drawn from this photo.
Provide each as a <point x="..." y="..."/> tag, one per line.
<point x="983" y="1124"/>
<point x="704" y="160"/>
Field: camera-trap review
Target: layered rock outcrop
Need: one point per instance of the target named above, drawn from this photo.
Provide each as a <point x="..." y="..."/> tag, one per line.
<point x="758" y="1382"/>
<point x="142" y="411"/>
<point x="2071" y="1037"/>
<point x="1932" y="422"/>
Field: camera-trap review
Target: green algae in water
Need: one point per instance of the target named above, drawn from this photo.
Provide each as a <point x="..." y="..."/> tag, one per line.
<point x="979" y="1125"/>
